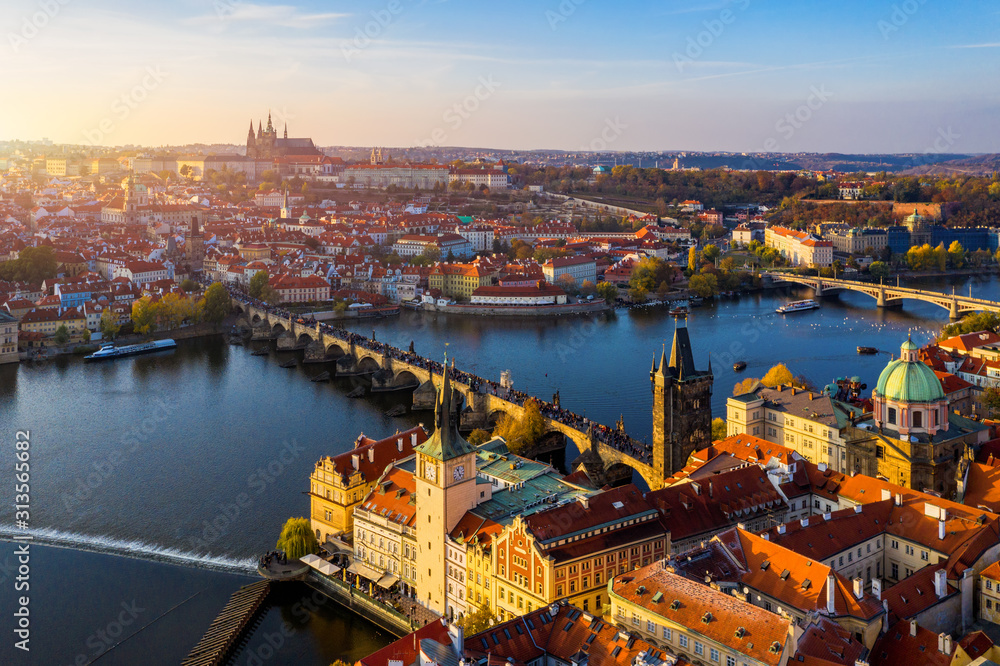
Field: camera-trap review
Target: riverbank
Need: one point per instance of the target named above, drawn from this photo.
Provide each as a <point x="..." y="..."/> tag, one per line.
<point x="592" y="307"/>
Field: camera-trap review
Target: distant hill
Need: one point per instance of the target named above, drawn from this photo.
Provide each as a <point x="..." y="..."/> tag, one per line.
<point x="979" y="165"/>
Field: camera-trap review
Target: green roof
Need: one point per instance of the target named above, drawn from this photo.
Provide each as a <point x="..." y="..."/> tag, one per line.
<point x="909" y="381"/>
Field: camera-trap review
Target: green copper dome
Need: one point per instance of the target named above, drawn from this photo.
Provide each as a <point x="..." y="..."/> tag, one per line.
<point x="909" y="380"/>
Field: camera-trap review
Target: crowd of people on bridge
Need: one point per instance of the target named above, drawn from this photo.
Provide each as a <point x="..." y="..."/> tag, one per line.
<point x="616" y="438"/>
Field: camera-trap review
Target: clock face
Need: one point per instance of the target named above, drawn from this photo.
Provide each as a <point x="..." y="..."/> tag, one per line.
<point x="431" y="472"/>
<point x="459" y="472"/>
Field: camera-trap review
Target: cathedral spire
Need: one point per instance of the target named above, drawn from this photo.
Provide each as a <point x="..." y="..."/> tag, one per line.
<point x="270" y="127"/>
<point x="286" y="130"/>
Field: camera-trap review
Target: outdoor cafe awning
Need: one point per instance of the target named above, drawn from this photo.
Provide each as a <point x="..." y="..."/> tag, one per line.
<point x="328" y="568"/>
<point x="364" y="571"/>
<point x="311" y="560"/>
<point x="387" y="581"/>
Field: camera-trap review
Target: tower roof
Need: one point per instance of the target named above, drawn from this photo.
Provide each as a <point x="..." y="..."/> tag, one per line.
<point x="446" y="443"/>
<point x="681" y="364"/>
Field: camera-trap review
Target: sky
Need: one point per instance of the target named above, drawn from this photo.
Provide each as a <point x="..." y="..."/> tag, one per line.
<point x="852" y="76"/>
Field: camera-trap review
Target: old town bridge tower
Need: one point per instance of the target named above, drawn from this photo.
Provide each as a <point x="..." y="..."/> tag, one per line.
<point x="682" y="405"/>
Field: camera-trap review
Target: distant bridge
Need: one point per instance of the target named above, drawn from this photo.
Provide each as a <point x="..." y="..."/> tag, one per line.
<point x="889" y="296"/>
<point x="393" y="369"/>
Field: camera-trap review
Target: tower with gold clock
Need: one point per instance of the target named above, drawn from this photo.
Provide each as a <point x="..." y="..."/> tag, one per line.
<point x="446" y="490"/>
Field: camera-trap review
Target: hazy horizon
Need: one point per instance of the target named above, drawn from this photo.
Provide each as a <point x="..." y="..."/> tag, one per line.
<point x="741" y="76"/>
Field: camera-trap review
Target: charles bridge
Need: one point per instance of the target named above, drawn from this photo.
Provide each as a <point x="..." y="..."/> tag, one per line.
<point x="602" y="449"/>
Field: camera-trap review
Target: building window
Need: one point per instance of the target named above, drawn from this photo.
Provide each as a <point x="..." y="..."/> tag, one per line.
<point x="682" y="639"/>
<point x="668" y="634"/>
<point x="713" y="654"/>
<point x="699" y="649"/>
<point x="892" y="415"/>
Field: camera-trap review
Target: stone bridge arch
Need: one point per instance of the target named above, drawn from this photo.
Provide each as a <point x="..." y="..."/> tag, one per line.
<point x="303" y="339"/>
<point x="368" y="364"/>
<point x="278" y="328"/>
<point x="335" y="349"/>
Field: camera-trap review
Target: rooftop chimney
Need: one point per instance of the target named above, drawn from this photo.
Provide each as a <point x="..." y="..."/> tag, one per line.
<point x="356" y="460"/>
<point x="827" y="516"/>
<point x="413" y="439"/>
<point x="913" y="627"/>
<point x="947" y="644"/>
<point x="859" y="588"/>
<point x="831" y="594"/>
<point x="805" y="522"/>
<point x="371" y="454"/>
<point x="781" y="528"/>
<point x="940" y="583"/>
<point x="899" y="499"/>
<point x="942" y="529"/>
<point x="399" y="444"/>
<point x="941" y="643"/>
<point x="886" y="494"/>
<point x="857" y="509"/>
<point x="810" y="395"/>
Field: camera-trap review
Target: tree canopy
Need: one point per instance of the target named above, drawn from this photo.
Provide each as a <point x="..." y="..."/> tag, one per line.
<point x="297" y="538"/>
<point x="33" y="264"/>
<point x="524" y="432"/>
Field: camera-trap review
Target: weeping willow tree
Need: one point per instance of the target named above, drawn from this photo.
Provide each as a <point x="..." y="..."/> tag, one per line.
<point x="297" y="538"/>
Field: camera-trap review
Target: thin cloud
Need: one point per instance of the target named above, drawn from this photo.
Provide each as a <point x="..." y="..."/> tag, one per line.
<point x="993" y="45"/>
<point x="286" y="16"/>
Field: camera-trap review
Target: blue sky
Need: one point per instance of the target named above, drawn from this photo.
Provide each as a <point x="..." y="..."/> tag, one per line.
<point x="746" y="75"/>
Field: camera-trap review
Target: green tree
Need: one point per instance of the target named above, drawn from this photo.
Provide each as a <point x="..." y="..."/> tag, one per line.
<point x="61" y="336"/>
<point x="990" y="400"/>
<point x="297" y="538"/>
<point x="86" y="335"/>
<point x="878" y="270"/>
<point x="33" y="265"/>
<point x="711" y="253"/>
<point x="189" y="286"/>
<point x="270" y="295"/>
<point x="109" y="324"/>
<point x="718" y="429"/>
<point x="216" y="304"/>
<point x="476" y="620"/>
<point x="972" y="323"/>
<point x="524" y="432"/>
<point x="706" y="285"/>
<point x="607" y="291"/>
<point x="257" y="283"/>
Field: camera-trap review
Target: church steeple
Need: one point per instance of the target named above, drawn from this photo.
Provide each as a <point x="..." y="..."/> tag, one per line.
<point x="286" y="130"/>
<point x="260" y="130"/>
<point x="446" y="443"/>
<point x="270" y="127"/>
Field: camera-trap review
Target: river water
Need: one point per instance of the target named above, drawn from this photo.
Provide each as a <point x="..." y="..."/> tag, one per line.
<point x="148" y="456"/>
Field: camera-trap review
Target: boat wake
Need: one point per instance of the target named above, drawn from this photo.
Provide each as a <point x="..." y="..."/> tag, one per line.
<point x="135" y="549"/>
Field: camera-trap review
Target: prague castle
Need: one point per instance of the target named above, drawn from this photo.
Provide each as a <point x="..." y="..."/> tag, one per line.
<point x="266" y="144"/>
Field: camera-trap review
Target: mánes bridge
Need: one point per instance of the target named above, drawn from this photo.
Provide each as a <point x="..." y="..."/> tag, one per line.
<point x="484" y="401"/>
<point x="888" y="296"/>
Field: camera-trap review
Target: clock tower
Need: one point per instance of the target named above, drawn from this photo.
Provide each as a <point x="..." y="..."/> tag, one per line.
<point x="446" y="490"/>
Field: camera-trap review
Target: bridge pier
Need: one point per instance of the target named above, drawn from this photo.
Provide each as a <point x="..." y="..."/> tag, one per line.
<point x="262" y="332"/>
<point x="476" y="412"/>
<point x="287" y="341"/>
<point x="953" y="311"/>
<point x="424" y="396"/>
<point x="383" y="381"/>
<point x="315" y="353"/>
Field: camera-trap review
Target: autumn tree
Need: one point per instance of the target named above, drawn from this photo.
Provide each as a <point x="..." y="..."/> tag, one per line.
<point x="692" y="259"/>
<point x="478" y="436"/>
<point x="607" y="291"/>
<point x="718" y="429"/>
<point x="523" y="432"/>
<point x="144" y="315"/>
<point x="778" y="375"/>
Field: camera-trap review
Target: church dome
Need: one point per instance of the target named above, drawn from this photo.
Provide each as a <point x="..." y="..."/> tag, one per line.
<point x="909" y="380"/>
